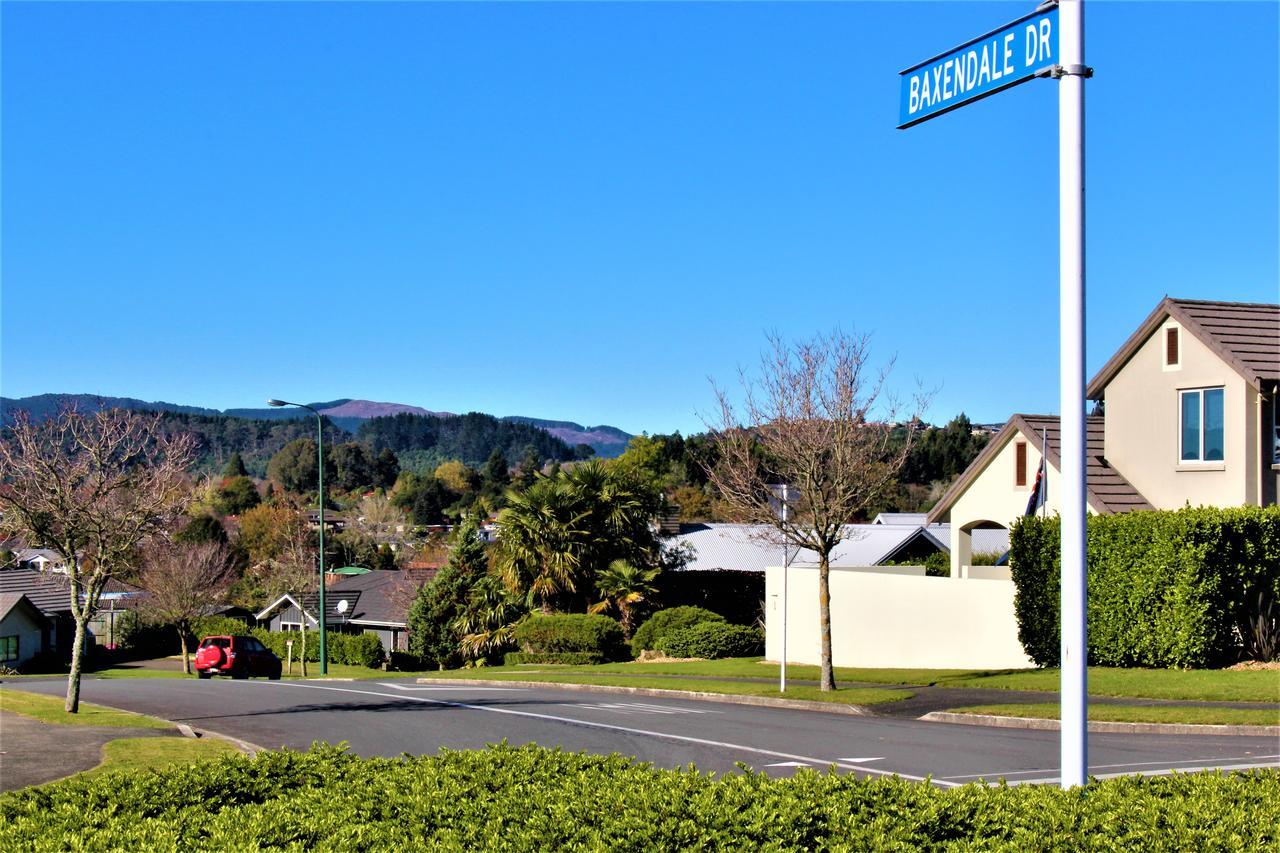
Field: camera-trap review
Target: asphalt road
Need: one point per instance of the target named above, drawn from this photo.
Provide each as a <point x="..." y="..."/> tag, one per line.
<point x="392" y="717"/>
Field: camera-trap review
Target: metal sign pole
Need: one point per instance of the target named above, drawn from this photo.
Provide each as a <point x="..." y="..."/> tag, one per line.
<point x="782" y="668"/>
<point x="1074" y="693"/>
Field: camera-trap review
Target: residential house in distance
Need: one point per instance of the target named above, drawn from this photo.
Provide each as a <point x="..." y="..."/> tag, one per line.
<point x="24" y="630"/>
<point x="372" y="602"/>
<point x="1186" y="413"/>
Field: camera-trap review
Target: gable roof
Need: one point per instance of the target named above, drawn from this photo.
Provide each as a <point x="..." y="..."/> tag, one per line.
<point x="309" y="604"/>
<point x="10" y="601"/>
<point x="755" y="547"/>
<point x="1106" y="489"/>
<point x="49" y="592"/>
<point x="385" y="596"/>
<point x="1245" y="335"/>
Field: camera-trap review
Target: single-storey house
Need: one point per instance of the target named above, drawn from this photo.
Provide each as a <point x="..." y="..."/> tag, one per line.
<point x="1185" y="414"/>
<point x="24" y="630"/>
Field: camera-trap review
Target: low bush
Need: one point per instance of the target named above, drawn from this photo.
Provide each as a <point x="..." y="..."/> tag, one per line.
<point x="565" y="658"/>
<point x="1187" y="588"/>
<point x="404" y="662"/>
<point x="214" y="626"/>
<point x="667" y="621"/>
<point x="737" y="596"/>
<point x="713" y="640"/>
<point x="349" y="649"/>
<point x="556" y="633"/>
<point x="531" y="798"/>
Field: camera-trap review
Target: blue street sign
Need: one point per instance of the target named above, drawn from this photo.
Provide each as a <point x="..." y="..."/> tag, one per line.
<point x="988" y="64"/>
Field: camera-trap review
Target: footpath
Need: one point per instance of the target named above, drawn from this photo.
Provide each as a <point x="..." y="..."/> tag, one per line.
<point x="33" y="753"/>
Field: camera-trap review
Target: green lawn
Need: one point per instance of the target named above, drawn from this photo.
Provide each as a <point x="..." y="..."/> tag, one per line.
<point x="1138" y="714"/>
<point x="154" y="753"/>
<point x="1204" y="685"/>
<point x="48" y="709"/>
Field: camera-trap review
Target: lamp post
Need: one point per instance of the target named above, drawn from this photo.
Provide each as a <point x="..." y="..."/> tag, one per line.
<point x="324" y="657"/>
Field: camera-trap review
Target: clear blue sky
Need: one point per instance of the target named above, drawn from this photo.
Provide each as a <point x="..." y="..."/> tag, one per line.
<point x="583" y="211"/>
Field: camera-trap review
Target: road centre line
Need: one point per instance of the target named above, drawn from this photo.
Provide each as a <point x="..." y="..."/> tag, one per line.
<point x="1166" y="765"/>
<point x="874" y="771"/>
<point x="459" y="687"/>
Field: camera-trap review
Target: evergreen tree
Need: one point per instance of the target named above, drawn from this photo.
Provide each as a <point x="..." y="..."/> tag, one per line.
<point x="235" y="467"/>
<point x="433" y="635"/>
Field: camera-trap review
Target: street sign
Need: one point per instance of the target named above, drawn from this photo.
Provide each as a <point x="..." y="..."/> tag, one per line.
<point x="991" y="63"/>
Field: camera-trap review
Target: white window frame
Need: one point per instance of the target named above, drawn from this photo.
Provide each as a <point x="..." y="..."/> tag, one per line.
<point x="1199" y="458"/>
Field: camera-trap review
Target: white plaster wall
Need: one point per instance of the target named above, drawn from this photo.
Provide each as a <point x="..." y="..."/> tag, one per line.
<point x="1143" y="423"/>
<point x="888" y="620"/>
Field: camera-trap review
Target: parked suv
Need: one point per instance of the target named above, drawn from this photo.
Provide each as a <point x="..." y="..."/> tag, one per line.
<point x="238" y="657"/>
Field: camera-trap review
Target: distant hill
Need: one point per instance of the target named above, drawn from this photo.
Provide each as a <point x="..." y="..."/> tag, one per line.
<point x="346" y="414"/>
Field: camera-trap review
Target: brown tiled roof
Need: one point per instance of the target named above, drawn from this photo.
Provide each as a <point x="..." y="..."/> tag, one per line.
<point x="1246" y="335"/>
<point x="1106" y="489"/>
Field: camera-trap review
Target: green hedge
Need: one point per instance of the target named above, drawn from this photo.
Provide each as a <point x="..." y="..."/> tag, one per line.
<point x="557" y="633"/>
<point x="737" y="596"/>
<point x="350" y="649"/>
<point x="530" y="798"/>
<point x="1186" y="588"/>
<point x="713" y="640"/>
<point x="566" y="658"/>
<point x="667" y="621"/>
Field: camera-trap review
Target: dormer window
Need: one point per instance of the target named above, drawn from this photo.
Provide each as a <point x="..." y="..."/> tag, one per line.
<point x="1172" y="353"/>
<point x="1201" y="420"/>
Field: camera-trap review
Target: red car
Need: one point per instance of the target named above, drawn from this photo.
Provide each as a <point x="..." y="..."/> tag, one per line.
<point x="238" y="657"/>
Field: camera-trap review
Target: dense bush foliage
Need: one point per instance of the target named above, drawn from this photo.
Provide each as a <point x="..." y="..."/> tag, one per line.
<point x="471" y="437"/>
<point x="562" y="658"/>
<point x="713" y="640"/>
<point x="1191" y="588"/>
<point x="580" y="633"/>
<point x="529" y="798"/>
<point x="668" y="621"/>
<point x="350" y="649"/>
<point x="737" y="596"/>
<point x="213" y="626"/>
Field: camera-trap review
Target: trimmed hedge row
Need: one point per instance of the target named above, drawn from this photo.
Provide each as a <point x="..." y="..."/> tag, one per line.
<point x="541" y="636"/>
<point x="668" y="621"/>
<point x="713" y="640"/>
<point x="564" y="658"/>
<point x="530" y="798"/>
<point x="1189" y="588"/>
<point x="349" y="649"/>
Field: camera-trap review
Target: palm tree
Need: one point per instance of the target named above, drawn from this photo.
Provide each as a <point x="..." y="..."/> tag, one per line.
<point x="487" y="624"/>
<point x="540" y="547"/>
<point x="621" y="587"/>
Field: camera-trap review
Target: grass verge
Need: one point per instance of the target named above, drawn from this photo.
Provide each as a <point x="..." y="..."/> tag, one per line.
<point x="1137" y="714"/>
<point x="156" y="753"/>
<point x="48" y="709"/>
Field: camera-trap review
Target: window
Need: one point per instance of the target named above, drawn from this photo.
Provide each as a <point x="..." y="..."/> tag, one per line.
<point x="1171" y="347"/>
<point x="1020" y="464"/>
<point x="8" y="649"/>
<point x="1201" y="419"/>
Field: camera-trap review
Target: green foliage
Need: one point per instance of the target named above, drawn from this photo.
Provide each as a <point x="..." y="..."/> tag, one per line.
<point x="433" y="634"/>
<point x="471" y="437"/>
<point x="532" y="798"/>
<point x="140" y="639"/>
<point x="943" y="453"/>
<point x="668" y="621"/>
<point x="350" y="649"/>
<point x="255" y="440"/>
<point x="353" y="467"/>
<point x="235" y="467"/>
<point x="236" y="495"/>
<point x="737" y="596"/>
<point x="201" y="529"/>
<point x="294" y="466"/>
<point x="1191" y="588"/>
<point x="713" y="640"/>
<point x="217" y="626"/>
<point x="557" y="658"/>
<point x="543" y="634"/>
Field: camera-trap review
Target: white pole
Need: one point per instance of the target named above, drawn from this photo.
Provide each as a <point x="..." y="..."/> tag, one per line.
<point x="1074" y="694"/>
<point x="782" y="669"/>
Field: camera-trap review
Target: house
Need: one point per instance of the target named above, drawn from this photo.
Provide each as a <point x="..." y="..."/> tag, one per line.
<point x="40" y="559"/>
<point x="376" y="602"/>
<point x="24" y="631"/>
<point x="1185" y="414"/>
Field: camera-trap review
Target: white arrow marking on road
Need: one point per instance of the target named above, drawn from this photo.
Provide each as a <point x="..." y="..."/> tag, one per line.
<point x="789" y="764"/>
<point x="858" y="760"/>
<point x="460" y="687"/>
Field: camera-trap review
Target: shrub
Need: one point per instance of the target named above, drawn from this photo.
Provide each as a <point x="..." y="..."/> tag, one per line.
<point x="713" y="640"/>
<point x="565" y="658"/>
<point x="737" y="596"/>
<point x="136" y="638"/>
<point x="1191" y="588"/>
<point x="665" y="622"/>
<point x="404" y="662"/>
<point x="571" y="632"/>
<point x="531" y="798"/>
<point x="213" y="626"/>
<point x="348" y="649"/>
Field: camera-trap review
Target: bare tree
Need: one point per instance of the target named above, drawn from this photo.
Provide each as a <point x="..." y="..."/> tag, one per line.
<point x="294" y="568"/>
<point x="94" y="488"/>
<point x="818" y="419"/>
<point x="183" y="582"/>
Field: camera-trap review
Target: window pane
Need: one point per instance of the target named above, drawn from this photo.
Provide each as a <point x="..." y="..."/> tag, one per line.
<point x="1191" y="425"/>
<point x="1213" y="438"/>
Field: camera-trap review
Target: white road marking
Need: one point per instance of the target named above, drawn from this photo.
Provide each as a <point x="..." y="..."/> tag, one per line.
<point x="1163" y="765"/>
<point x="1163" y="771"/>
<point x="459" y="687"/>
<point x="860" y="760"/>
<point x="789" y="764"/>
<point x="635" y="708"/>
<point x="593" y="725"/>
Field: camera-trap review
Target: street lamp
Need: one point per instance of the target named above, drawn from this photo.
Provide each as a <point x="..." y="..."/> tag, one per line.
<point x="324" y="658"/>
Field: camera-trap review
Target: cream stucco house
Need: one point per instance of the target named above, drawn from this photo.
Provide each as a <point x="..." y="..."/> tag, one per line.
<point x="1187" y="414"/>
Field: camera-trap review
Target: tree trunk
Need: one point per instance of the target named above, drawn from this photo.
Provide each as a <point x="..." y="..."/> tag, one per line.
<point x="303" y="656"/>
<point x="72" y="705"/>
<point x="186" y="657"/>
<point x="826" y="680"/>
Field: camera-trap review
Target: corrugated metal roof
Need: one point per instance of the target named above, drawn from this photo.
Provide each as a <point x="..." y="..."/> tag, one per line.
<point x="753" y="548"/>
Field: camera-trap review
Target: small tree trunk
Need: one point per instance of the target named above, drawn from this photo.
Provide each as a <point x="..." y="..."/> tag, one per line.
<point x="826" y="680"/>
<point x="303" y="656"/>
<point x="186" y="657"/>
<point x="72" y="705"/>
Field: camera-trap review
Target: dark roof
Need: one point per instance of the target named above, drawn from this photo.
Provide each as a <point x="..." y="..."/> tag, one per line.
<point x="1246" y="335"/>
<point x="1107" y="490"/>
<point x="384" y="596"/>
<point x="9" y="601"/>
<point x="51" y="593"/>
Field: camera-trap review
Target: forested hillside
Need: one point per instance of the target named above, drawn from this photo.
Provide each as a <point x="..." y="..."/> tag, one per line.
<point x="471" y="437"/>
